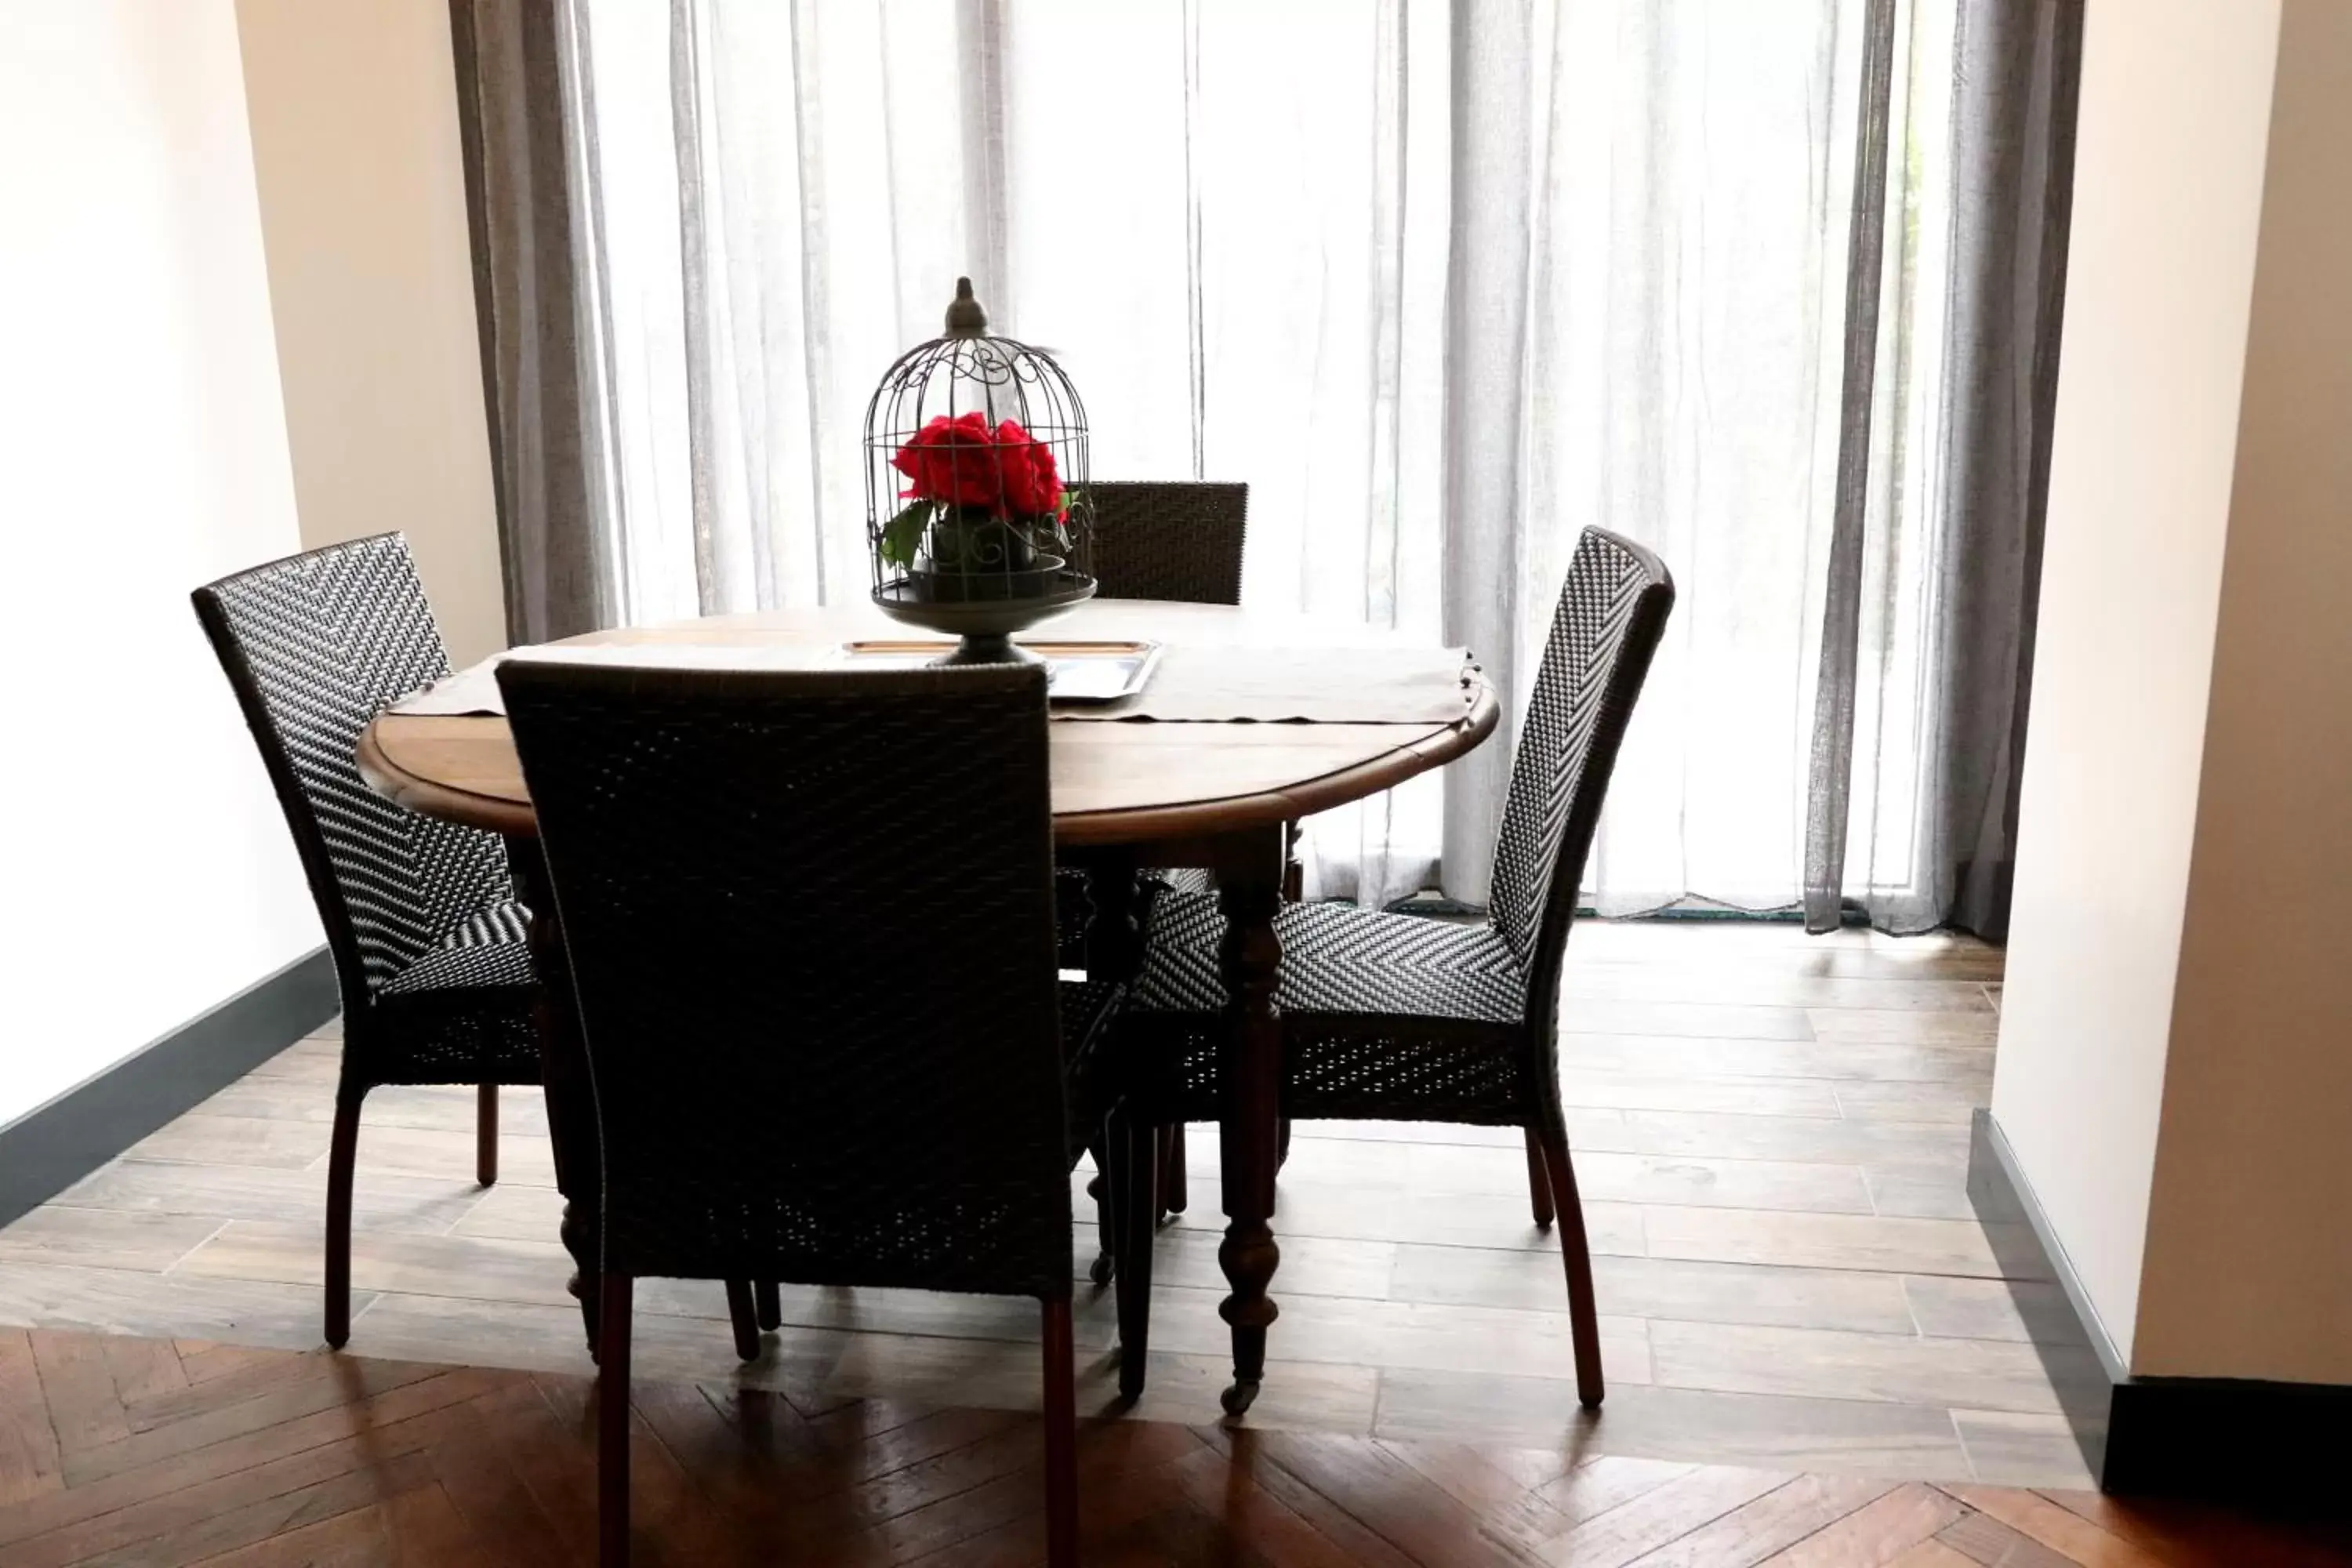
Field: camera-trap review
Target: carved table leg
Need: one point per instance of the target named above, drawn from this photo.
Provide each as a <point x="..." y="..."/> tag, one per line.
<point x="1249" y="890"/>
<point x="563" y="1077"/>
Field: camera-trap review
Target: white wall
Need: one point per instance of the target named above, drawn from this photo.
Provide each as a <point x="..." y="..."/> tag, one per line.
<point x="142" y="451"/>
<point x="2249" y="1268"/>
<point x="354" y="116"/>
<point x="2168" y="182"/>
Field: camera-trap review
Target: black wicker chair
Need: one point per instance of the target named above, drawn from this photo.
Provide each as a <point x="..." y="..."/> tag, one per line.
<point x="428" y="943"/>
<point x="810" y="916"/>
<point x="1176" y="539"/>
<point x="1179" y="539"/>
<point x="1397" y="1017"/>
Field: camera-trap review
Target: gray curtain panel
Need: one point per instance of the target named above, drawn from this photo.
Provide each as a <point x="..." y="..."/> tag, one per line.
<point x="2020" y="63"/>
<point x="2016" y="68"/>
<point x="528" y="293"/>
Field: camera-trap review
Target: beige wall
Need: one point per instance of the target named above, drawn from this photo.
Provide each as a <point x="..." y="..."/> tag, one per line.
<point x="2168" y="182"/>
<point x="2250" y="1238"/>
<point x="142" y="452"/>
<point x="356" y="148"/>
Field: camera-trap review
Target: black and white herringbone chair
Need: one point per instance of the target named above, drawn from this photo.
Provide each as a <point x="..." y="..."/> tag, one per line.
<point x="428" y="943"/>
<point x="1400" y="1018"/>
<point x="811" y="921"/>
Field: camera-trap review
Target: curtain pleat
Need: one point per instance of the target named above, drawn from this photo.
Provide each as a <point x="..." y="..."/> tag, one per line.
<point x="518" y="128"/>
<point x="2018" y="67"/>
<point x="1829" y="780"/>
<point x="1485" y="517"/>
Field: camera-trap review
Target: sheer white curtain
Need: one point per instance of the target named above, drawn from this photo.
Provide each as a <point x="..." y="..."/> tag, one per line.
<point x="1443" y="285"/>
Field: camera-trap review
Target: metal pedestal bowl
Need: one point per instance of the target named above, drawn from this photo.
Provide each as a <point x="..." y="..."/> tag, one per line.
<point x="984" y="625"/>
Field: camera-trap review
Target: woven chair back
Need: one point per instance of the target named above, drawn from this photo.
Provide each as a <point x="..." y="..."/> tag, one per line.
<point x="1177" y="540"/>
<point x="810" y="917"/>
<point x="1611" y="612"/>
<point x="314" y="645"/>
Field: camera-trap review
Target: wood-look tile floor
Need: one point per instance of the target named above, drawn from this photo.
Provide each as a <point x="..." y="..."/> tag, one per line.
<point x="120" y="1450"/>
<point x="1770" y="1130"/>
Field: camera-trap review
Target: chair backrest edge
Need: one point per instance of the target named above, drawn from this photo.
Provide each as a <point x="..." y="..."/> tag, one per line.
<point x="301" y="820"/>
<point x="1644" y="630"/>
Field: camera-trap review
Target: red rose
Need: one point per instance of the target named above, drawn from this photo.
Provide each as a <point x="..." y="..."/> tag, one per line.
<point x="954" y="461"/>
<point x="961" y="462"/>
<point x="1032" y="487"/>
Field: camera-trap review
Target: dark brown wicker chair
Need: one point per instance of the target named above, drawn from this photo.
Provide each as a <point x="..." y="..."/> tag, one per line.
<point x="1396" y="1018"/>
<point x="1173" y="539"/>
<point x="1179" y="539"/>
<point x="428" y="943"/>
<point x="810" y="916"/>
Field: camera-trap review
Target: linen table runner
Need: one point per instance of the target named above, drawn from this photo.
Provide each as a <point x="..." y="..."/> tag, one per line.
<point x="1198" y="684"/>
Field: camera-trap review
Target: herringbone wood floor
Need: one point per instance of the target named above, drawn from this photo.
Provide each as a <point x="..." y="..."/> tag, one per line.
<point x="1771" y="1135"/>
<point x="122" y="1450"/>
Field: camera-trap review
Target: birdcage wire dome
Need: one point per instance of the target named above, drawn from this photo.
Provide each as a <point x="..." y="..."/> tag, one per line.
<point x="978" y="520"/>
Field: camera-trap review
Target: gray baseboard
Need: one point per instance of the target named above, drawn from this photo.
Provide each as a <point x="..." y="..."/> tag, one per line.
<point x="51" y="1148"/>
<point x="2002" y="1197"/>
<point x="2237" y="1438"/>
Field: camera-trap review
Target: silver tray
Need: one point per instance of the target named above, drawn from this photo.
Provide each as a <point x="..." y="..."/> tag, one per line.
<point x="1077" y="672"/>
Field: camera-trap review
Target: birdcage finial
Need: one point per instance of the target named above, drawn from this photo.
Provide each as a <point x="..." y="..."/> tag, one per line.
<point x="965" y="318"/>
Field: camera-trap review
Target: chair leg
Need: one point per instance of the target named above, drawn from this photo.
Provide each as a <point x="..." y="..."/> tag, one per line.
<point x="1172" y="1193"/>
<point x="1583" y="1316"/>
<point x="1061" y="1439"/>
<point x="1105" y="1264"/>
<point x="771" y="1305"/>
<point x="742" y="1320"/>
<point x="342" y="1153"/>
<point x="1282" y="1143"/>
<point x="1538" y="1184"/>
<point x="486" y="1136"/>
<point x="1135" y="1148"/>
<point x="613" y="1421"/>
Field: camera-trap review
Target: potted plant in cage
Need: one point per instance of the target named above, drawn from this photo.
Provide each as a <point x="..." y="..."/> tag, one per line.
<point x="985" y="515"/>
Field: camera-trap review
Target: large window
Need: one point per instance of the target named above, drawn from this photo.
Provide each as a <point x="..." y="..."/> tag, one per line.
<point x="1242" y="225"/>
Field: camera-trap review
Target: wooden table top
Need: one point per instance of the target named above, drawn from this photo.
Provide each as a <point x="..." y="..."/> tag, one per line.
<point x="1114" y="782"/>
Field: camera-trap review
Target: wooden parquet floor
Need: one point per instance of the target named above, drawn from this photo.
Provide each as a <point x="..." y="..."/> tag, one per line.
<point x="1771" y="1133"/>
<point x="119" y="1450"/>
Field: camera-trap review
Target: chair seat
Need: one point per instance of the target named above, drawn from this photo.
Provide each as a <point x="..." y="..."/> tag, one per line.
<point x="1384" y="1016"/>
<point x="1337" y="958"/>
<point x="489" y="948"/>
<point x="464" y="1012"/>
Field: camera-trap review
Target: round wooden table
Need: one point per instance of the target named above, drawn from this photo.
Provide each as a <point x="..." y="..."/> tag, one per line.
<point x="1127" y="796"/>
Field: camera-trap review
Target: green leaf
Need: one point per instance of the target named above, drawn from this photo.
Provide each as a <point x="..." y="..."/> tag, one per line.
<point x="903" y="534"/>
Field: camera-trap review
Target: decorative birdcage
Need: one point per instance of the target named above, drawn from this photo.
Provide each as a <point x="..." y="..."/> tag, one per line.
<point x="976" y="510"/>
